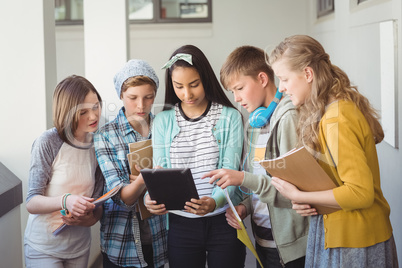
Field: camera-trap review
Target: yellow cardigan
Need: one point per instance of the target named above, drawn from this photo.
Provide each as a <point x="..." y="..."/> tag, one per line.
<point x="364" y="218"/>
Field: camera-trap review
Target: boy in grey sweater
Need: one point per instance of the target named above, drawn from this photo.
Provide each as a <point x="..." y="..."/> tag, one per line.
<point x="280" y="233"/>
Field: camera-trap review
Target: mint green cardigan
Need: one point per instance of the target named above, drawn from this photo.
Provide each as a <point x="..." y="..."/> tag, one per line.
<point x="228" y="133"/>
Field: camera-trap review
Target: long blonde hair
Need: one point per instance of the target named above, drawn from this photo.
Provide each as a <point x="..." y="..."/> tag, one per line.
<point x="329" y="83"/>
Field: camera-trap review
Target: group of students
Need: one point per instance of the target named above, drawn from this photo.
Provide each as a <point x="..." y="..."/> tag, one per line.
<point x="199" y="128"/>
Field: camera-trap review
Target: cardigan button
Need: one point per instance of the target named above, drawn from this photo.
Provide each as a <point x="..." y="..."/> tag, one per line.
<point x="325" y="216"/>
<point x="219" y="141"/>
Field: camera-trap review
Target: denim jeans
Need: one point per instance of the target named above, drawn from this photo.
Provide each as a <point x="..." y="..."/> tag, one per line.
<point x="194" y="241"/>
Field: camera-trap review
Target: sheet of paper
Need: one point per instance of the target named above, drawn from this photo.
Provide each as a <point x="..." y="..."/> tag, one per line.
<point x="242" y="234"/>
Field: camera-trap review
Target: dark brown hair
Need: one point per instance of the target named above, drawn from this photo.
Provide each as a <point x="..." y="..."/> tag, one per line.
<point x="212" y="87"/>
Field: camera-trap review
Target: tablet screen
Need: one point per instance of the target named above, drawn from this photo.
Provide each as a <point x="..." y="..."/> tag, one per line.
<point x="172" y="186"/>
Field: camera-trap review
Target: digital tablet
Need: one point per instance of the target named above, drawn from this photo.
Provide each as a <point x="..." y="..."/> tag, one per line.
<point x="172" y="186"/>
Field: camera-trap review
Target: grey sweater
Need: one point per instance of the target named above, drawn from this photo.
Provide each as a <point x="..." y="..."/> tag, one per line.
<point x="289" y="229"/>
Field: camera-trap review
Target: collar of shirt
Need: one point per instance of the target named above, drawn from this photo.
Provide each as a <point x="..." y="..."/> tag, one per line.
<point x="126" y="128"/>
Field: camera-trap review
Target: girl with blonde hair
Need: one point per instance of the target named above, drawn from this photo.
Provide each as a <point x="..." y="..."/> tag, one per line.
<point x="340" y="128"/>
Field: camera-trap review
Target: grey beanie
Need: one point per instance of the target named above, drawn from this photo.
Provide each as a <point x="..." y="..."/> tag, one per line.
<point x="134" y="68"/>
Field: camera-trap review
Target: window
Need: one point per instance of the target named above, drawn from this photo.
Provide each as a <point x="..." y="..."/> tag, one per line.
<point x="69" y="12"/>
<point x="165" y="11"/>
<point x="324" y="7"/>
<point x="143" y="11"/>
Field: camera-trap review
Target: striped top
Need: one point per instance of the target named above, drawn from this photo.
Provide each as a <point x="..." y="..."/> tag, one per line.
<point x="228" y="133"/>
<point x="195" y="147"/>
<point x="260" y="215"/>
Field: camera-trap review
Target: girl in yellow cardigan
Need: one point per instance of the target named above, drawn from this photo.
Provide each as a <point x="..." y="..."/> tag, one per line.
<point x="340" y="128"/>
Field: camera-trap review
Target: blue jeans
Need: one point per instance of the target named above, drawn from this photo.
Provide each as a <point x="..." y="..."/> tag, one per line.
<point x="270" y="258"/>
<point x="36" y="259"/>
<point x="194" y="241"/>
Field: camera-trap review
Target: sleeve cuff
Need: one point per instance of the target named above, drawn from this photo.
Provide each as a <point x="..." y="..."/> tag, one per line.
<point x="219" y="197"/>
<point x="249" y="181"/>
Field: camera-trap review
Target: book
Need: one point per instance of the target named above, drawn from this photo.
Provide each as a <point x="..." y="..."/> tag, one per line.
<point x="301" y="169"/>
<point x="141" y="155"/>
<point x="242" y="234"/>
<point x="172" y="187"/>
<point x="135" y="146"/>
<point x="98" y="202"/>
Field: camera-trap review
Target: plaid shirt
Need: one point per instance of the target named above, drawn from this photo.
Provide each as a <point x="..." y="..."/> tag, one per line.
<point x="120" y="230"/>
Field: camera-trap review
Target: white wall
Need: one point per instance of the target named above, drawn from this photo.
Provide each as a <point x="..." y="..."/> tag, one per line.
<point x="260" y="22"/>
<point x="27" y="76"/>
<point x="351" y="36"/>
<point x="235" y="23"/>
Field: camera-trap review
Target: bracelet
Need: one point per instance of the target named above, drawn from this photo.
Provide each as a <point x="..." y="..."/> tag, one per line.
<point x="64" y="210"/>
<point x="62" y="200"/>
